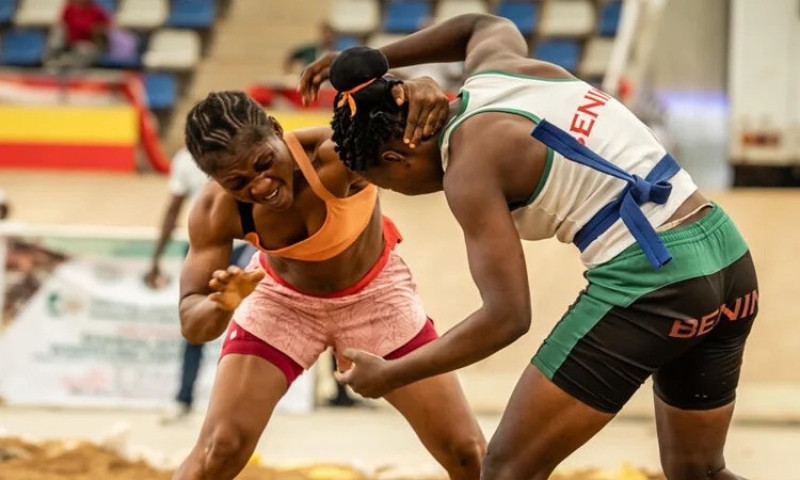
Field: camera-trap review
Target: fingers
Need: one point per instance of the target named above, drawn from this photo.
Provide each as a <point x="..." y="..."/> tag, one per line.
<point x="441" y="120"/>
<point x="399" y="94"/>
<point x="313" y="76"/>
<point x="411" y="121"/>
<point x="221" y="278"/>
<point x="343" y="378"/>
<point x="422" y="121"/>
<point x="255" y="275"/>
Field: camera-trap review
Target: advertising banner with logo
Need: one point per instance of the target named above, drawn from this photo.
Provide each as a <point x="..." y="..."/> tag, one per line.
<point x="80" y="328"/>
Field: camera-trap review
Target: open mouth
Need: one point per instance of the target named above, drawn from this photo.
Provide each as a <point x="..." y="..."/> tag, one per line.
<point x="273" y="195"/>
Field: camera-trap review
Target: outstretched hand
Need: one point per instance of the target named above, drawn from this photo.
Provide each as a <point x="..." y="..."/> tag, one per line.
<point x="231" y="286"/>
<point x="370" y="376"/>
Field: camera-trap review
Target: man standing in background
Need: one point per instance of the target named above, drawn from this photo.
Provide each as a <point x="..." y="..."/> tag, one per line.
<point x="308" y="52"/>
<point x="186" y="181"/>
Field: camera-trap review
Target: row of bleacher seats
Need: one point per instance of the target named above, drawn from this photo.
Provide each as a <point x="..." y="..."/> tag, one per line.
<point x="587" y="58"/>
<point x="556" y="18"/>
<point x="132" y="14"/>
<point x="164" y="49"/>
<point x="168" y="32"/>
<point x="576" y="34"/>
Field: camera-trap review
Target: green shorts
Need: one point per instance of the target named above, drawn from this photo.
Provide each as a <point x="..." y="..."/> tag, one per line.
<point x="686" y="323"/>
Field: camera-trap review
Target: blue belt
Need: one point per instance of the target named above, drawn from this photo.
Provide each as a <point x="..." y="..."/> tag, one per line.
<point x="653" y="188"/>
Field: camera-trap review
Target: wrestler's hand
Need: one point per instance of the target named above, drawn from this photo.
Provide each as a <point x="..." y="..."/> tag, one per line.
<point x="428" y="105"/>
<point x="370" y="376"/>
<point x="314" y="75"/>
<point x="428" y="108"/>
<point x="231" y="286"/>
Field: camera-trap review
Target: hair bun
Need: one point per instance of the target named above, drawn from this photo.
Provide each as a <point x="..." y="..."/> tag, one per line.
<point x="357" y="65"/>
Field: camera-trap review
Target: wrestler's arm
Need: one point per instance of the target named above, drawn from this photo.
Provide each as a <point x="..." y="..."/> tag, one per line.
<point x="480" y="40"/>
<point x="210" y="246"/>
<point x="474" y="190"/>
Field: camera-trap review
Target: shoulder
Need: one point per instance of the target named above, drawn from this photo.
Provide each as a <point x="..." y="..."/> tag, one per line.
<point x="489" y="150"/>
<point x="492" y="135"/>
<point x="214" y="216"/>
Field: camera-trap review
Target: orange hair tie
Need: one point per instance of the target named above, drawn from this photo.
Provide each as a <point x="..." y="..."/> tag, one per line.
<point x="347" y="97"/>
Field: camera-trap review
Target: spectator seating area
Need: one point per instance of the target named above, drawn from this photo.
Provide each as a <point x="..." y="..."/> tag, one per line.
<point x="576" y="34"/>
<point x="171" y="38"/>
<point x="172" y="34"/>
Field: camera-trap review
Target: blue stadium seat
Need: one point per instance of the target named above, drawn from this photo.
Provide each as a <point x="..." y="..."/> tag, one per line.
<point x="109" y="6"/>
<point x="7" y="10"/>
<point x="405" y="16"/>
<point x="23" y="48"/>
<point x="161" y="90"/>
<point x="197" y="14"/>
<point x="609" y="18"/>
<point x="524" y="14"/>
<point x="343" y="42"/>
<point x="565" y="53"/>
<point x="133" y="62"/>
<point x="129" y="63"/>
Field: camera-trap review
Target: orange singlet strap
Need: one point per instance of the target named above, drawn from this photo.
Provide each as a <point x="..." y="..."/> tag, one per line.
<point x="302" y="160"/>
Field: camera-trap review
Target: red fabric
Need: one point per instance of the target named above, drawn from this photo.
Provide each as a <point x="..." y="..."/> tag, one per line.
<point x="425" y="336"/>
<point x="391" y="237"/>
<point x="81" y="20"/>
<point x="240" y="341"/>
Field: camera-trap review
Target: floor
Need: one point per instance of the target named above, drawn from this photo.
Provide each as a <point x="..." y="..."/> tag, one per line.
<point x="379" y="437"/>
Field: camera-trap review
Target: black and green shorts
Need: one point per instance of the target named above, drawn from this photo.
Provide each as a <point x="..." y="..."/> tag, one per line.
<point x="686" y="324"/>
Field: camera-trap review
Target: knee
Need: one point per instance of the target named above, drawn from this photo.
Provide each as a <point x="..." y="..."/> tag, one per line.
<point x="502" y="463"/>
<point x="225" y="449"/>
<point x="465" y="455"/>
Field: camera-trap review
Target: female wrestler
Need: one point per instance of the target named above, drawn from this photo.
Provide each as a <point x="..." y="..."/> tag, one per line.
<point x="532" y="152"/>
<point x="327" y="275"/>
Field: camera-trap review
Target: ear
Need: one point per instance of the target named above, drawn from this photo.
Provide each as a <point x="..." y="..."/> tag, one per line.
<point x="276" y="126"/>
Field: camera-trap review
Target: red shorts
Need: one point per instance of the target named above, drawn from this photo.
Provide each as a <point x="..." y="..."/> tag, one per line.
<point x="381" y="314"/>
<point x="242" y="342"/>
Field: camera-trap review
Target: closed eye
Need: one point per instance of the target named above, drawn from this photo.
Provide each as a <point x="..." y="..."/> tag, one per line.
<point x="263" y="163"/>
<point x="237" y="183"/>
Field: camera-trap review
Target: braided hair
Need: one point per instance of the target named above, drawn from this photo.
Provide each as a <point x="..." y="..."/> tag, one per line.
<point x="361" y="130"/>
<point x="220" y="119"/>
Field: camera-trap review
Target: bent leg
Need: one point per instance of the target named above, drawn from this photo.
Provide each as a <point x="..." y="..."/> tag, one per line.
<point x="245" y="392"/>
<point x="541" y="426"/>
<point x="691" y="442"/>
<point x="441" y="417"/>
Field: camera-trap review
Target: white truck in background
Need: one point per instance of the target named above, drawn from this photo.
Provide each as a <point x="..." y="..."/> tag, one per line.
<point x="764" y="91"/>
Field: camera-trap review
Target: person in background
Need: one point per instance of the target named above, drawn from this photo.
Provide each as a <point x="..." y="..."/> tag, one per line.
<point x="186" y="181"/>
<point x="84" y="27"/>
<point x="306" y="53"/>
<point x="5" y="210"/>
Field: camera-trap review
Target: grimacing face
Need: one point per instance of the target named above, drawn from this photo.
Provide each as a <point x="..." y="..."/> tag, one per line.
<point x="260" y="172"/>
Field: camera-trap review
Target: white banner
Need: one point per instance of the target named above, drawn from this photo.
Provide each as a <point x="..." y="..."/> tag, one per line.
<point x="80" y="328"/>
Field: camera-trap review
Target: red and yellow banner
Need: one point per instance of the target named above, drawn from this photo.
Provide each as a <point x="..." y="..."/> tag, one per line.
<point x="69" y="137"/>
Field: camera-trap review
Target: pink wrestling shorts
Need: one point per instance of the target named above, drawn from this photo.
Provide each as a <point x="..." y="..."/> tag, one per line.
<point x="381" y="313"/>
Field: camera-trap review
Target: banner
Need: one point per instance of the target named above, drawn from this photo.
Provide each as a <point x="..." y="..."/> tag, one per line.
<point x="81" y="329"/>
